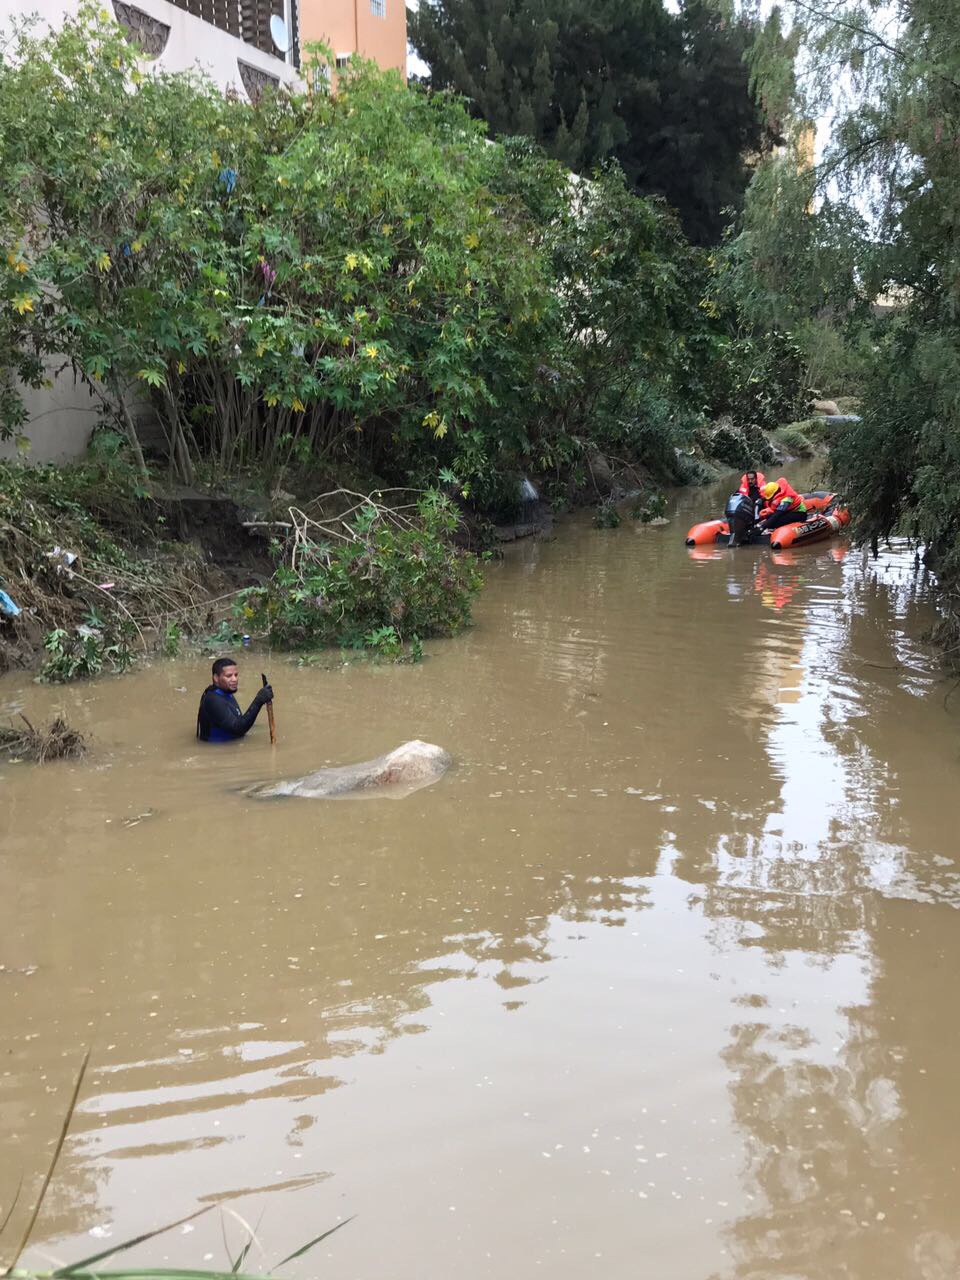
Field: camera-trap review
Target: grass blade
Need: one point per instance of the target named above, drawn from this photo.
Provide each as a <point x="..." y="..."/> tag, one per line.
<point x="16" y="1197"/>
<point x="53" y="1163"/>
<point x="142" y="1273"/>
<point x="310" y="1243"/>
<point x="75" y="1267"/>
<point x="251" y="1239"/>
<point x="241" y="1257"/>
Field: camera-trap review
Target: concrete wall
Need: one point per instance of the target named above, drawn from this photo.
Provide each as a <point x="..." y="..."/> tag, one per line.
<point x="376" y="29"/>
<point x="60" y="419"/>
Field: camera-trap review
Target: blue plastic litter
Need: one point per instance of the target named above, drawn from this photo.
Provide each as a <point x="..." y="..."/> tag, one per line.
<point x="7" y="607"/>
<point x="228" y="178"/>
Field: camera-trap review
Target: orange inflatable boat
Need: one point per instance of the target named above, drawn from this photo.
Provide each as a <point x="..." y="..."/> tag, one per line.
<point x="825" y="519"/>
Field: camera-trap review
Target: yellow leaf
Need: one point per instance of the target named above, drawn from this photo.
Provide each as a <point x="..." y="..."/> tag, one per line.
<point x="181" y="367"/>
<point x="472" y="240"/>
<point x="21" y="267"/>
<point x="103" y="262"/>
<point x="387" y="229"/>
<point x="22" y="302"/>
<point x="345" y="340"/>
<point x="351" y="261"/>
<point x="298" y="406"/>
<point x="441" y="431"/>
<point x="272" y="400"/>
<point x="371" y="351"/>
<point x="137" y="246"/>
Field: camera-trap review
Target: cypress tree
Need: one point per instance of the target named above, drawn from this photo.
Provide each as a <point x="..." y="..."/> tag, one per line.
<point x="665" y="94"/>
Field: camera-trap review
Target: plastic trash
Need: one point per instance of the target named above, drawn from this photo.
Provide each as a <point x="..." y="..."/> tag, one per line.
<point x="63" y="558"/>
<point x="7" y="606"/>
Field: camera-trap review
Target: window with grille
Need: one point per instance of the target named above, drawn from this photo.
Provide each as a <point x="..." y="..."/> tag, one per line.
<point x="378" y="8"/>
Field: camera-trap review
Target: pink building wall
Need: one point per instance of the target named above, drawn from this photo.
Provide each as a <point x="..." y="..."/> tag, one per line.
<point x="375" y="29"/>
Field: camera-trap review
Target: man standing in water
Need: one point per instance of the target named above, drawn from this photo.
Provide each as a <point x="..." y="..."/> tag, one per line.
<point x="220" y="718"/>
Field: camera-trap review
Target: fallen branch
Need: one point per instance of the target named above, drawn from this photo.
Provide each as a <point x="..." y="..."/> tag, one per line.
<point x="57" y="742"/>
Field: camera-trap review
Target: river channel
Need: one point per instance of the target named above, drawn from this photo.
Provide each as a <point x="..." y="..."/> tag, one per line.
<point x="660" y="980"/>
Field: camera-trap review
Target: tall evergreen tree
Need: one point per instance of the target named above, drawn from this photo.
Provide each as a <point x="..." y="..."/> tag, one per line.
<point x="666" y="94"/>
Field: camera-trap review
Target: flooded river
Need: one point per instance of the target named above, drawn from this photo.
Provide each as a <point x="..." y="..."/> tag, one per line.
<point x="660" y="980"/>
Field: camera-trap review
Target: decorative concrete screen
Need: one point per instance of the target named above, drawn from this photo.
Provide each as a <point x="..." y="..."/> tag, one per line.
<point x="247" y="19"/>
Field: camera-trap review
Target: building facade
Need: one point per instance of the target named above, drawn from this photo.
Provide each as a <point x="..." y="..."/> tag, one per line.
<point x="376" y="29"/>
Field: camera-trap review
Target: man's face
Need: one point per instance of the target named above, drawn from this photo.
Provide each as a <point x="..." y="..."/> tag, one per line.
<point x="228" y="679"/>
<point x="752" y="479"/>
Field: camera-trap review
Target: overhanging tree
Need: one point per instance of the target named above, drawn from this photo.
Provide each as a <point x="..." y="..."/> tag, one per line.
<point x="878" y="215"/>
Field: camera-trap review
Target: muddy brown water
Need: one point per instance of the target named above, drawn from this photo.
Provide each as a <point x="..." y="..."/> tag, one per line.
<point x="660" y="980"/>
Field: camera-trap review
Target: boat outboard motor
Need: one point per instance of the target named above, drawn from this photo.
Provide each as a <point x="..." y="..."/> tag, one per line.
<point x="740" y="514"/>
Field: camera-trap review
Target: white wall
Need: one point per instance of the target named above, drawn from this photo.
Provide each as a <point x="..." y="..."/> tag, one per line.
<point x="61" y="418"/>
<point x="192" y="44"/>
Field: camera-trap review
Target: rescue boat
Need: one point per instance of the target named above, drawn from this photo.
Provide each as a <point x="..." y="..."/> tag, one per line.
<point x="825" y="519"/>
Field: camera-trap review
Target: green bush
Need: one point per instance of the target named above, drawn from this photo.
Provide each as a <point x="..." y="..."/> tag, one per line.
<point x="795" y="441"/>
<point x="88" y="650"/>
<point x="384" y="582"/>
<point x="606" y="516"/>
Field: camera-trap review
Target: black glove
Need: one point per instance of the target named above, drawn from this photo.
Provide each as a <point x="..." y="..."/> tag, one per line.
<point x="264" y="695"/>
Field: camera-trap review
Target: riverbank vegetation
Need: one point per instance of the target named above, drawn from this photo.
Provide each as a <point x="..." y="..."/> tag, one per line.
<point x="356" y="288"/>
<point x="356" y="282"/>
<point x="362" y="289"/>
<point x="86" y="558"/>
<point x="373" y="575"/>
<point x="855" y="253"/>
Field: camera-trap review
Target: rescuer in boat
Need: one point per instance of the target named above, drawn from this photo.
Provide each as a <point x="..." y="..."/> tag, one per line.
<point x="783" y="505"/>
<point x="220" y="718"/>
<point x="751" y="484"/>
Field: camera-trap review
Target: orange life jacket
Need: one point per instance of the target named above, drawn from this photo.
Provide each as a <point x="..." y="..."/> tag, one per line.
<point x="745" y="488"/>
<point x="785" y="499"/>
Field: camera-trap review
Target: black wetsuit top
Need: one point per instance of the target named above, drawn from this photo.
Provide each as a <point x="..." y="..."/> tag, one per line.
<point x="220" y="718"/>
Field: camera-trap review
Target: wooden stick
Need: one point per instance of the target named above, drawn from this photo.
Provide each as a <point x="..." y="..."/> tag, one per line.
<point x="270" y="716"/>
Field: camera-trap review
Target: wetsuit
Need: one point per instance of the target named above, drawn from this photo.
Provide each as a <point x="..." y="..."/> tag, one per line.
<point x="220" y="718"/>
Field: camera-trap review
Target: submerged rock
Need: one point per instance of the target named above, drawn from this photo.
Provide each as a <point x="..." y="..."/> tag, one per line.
<point x="407" y="768"/>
